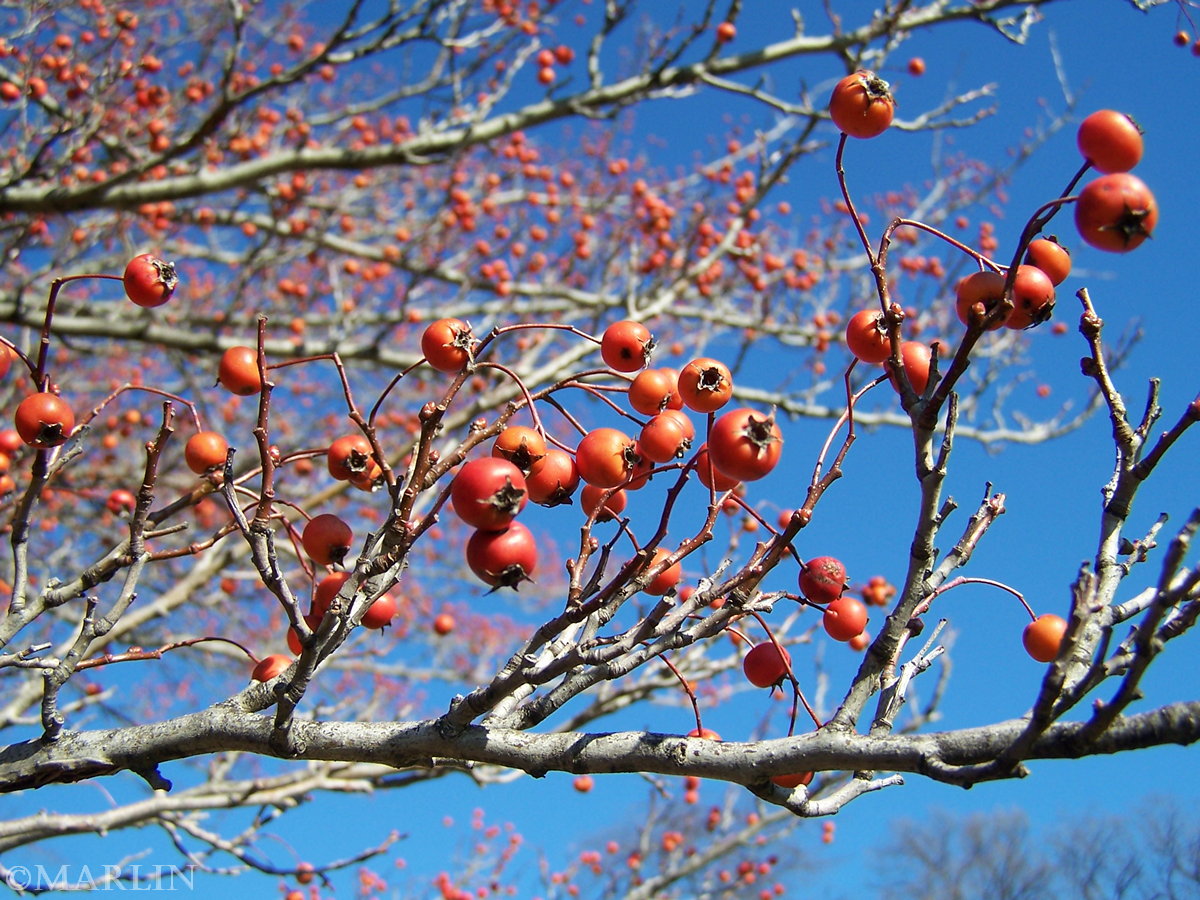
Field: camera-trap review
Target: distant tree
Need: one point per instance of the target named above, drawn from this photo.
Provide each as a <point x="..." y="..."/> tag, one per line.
<point x="1152" y="853"/>
<point x="394" y="233"/>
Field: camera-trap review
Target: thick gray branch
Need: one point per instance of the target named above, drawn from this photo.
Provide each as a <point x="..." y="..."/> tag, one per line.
<point x="438" y="144"/>
<point x="949" y="756"/>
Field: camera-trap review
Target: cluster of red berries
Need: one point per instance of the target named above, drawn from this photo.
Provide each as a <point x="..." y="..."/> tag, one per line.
<point x="822" y="582"/>
<point x="546" y="60"/>
<point x="488" y="493"/>
<point x="1115" y="212"/>
<point x="1183" y="39"/>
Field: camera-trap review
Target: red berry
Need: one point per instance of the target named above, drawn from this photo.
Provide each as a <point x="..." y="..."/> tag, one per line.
<point x="326" y="539"/>
<point x="44" y="420"/>
<point x="380" y="613"/>
<point x="238" y="371"/>
<point x="270" y="667"/>
<point x="149" y="281"/>
<point x="205" y="450"/>
<point x="120" y="501"/>
<point x="791" y="781"/>
<point x="766" y="664"/>
<point x="1043" y="637"/>
<point x="862" y="105"/>
<point x="626" y="346"/>
<point x="845" y="618"/>
<point x="823" y="579"/>
<point x="1111" y="141"/>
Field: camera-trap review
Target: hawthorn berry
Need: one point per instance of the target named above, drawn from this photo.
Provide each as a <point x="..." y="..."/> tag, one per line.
<point x="44" y="420"/>
<point x="1116" y="213"/>
<point x="766" y="665"/>
<point x="149" y="281"/>
<point x="862" y="105"/>
<point x="705" y="385"/>
<point x="447" y="344"/>
<point x="120" y="501"/>
<point x="606" y="457"/>
<point x="10" y="441"/>
<point x="823" y="579"/>
<point x="655" y="390"/>
<point x="745" y="444"/>
<point x="238" y="371"/>
<point x="867" y="337"/>
<point x="270" y="667"/>
<point x="349" y="456"/>
<point x="443" y="624"/>
<point x="326" y="539"/>
<point x="293" y="638"/>
<point x="1043" y="637"/>
<point x="917" y="359"/>
<point x="305" y="873"/>
<point x="554" y="480"/>
<point x="327" y="588"/>
<point x="976" y="295"/>
<point x="661" y="583"/>
<point x="710" y="476"/>
<point x="1051" y="257"/>
<point x="1033" y="298"/>
<point x="878" y="592"/>
<point x="488" y="493"/>
<point x="380" y="613"/>
<point x="1111" y="141"/>
<point x="589" y="502"/>
<point x="205" y="450"/>
<point x="503" y="558"/>
<point x="521" y="446"/>
<point x="793" y="781"/>
<point x="626" y="346"/>
<point x="845" y="618"/>
<point x="666" y="436"/>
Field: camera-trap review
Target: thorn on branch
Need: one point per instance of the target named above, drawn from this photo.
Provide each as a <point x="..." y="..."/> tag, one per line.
<point x="154" y="778"/>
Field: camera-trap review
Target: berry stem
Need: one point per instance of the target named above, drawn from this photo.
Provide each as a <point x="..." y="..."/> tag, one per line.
<point x="135" y="655"/>
<point x="1041" y="218"/>
<point x="40" y="379"/>
<point x="962" y="579"/>
<point x="852" y="212"/>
